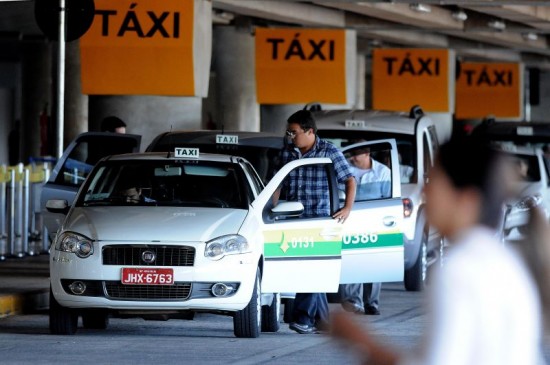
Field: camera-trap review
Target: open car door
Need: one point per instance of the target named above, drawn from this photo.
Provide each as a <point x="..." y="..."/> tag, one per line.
<point x="372" y="236"/>
<point x="300" y="254"/>
<point x="75" y="164"/>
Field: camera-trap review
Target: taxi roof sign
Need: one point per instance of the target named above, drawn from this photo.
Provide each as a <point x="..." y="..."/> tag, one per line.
<point x="524" y="131"/>
<point x="350" y="123"/>
<point x="227" y="139"/>
<point x="186" y="152"/>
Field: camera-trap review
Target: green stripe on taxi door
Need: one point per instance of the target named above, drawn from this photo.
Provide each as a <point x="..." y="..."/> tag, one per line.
<point x="371" y="240"/>
<point x="301" y="243"/>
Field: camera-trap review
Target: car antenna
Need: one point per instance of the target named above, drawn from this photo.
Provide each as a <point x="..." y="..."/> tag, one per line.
<point x="169" y="142"/>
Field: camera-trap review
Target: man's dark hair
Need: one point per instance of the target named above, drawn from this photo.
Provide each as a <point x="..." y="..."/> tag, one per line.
<point x="305" y="119"/>
<point x="111" y="123"/>
<point x="471" y="162"/>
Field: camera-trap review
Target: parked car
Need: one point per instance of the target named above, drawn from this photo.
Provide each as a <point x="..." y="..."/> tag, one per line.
<point x="417" y="145"/>
<point x="523" y="144"/>
<point x="75" y="164"/>
<point x="204" y="236"/>
<point x="261" y="149"/>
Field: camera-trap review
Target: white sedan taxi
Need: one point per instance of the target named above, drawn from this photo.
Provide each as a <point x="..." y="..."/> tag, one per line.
<point x="165" y="235"/>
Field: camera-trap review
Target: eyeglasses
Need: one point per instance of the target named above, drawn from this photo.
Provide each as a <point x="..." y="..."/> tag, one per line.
<point x="292" y="134"/>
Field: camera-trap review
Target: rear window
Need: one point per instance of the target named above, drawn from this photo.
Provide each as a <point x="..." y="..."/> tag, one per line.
<point x="405" y="147"/>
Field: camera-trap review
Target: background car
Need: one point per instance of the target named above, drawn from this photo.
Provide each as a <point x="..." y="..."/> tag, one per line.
<point x="524" y="144"/>
<point x="261" y="149"/>
<point x="417" y="144"/>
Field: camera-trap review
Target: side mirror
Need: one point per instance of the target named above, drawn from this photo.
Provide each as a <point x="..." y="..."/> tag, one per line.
<point x="57" y="206"/>
<point x="341" y="195"/>
<point x="287" y="209"/>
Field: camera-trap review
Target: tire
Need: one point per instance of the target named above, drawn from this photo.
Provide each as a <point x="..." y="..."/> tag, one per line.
<point x="289" y="308"/>
<point x="271" y="315"/>
<point x="95" y="319"/>
<point x="63" y="321"/>
<point x="247" y="322"/>
<point x="415" y="277"/>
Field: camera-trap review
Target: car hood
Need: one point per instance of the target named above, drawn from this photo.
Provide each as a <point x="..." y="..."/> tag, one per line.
<point x="154" y="223"/>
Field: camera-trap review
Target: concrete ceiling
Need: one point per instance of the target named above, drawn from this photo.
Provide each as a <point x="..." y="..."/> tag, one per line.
<point x="463" y="25"/>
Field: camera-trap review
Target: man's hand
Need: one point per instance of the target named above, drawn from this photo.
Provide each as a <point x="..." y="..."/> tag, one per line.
<point x="342" y="214"/>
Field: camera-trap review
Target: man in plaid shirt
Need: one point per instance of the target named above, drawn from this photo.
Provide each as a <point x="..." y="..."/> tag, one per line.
<point x="309" y="185"/>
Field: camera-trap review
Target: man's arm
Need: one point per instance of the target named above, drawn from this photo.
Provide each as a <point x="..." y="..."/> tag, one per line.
<point x="343" y="213"/>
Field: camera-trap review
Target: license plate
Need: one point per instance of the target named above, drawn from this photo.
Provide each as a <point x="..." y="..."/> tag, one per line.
<point x="146" y="276"/>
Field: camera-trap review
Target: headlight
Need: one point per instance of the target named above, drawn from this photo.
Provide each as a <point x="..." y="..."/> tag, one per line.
<point x="528" y="202"/>
<point x="75" y="243"/>
<point x="226" y="245"/>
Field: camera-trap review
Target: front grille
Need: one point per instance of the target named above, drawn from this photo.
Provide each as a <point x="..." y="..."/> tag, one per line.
<point x="177" y="291"/>
<point x="131" y="255"/>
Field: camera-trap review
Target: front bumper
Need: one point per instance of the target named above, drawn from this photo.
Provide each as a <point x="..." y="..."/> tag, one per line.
<point x="191" y="289"/>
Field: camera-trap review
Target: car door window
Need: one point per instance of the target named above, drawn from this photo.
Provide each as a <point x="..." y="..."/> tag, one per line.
<point x="371" y="167"/>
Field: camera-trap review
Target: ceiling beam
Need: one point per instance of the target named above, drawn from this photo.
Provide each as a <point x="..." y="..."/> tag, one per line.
<point x="287" y="12"/>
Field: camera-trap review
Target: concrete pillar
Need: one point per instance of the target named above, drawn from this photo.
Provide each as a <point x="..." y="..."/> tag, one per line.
<point x="233" y="63"/>
<point x="146" y="115"/>
<point x="274" y="117"/>
<point x="36" y="93"/>
<point x="76" y="104"/>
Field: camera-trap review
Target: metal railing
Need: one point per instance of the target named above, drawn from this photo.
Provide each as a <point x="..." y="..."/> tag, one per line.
<point x="21" y="228"/>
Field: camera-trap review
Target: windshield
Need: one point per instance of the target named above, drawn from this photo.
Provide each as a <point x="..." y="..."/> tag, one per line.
<point x="405" y="147"/>
<point x="166" y="183"/>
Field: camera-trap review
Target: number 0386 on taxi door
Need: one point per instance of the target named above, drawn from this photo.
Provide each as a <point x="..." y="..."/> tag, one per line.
<point x="201" y="232"/>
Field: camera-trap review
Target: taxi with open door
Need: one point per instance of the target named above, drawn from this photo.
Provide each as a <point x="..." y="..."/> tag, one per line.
<point x="170" y="234"/>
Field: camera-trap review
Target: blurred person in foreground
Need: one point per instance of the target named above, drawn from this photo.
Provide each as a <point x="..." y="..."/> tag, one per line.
<point x="484" y="305"/>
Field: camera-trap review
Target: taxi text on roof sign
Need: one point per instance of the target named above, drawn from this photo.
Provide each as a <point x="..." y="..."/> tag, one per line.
<point x="146" y="47"/>
<point x="227" y="139"/>
<point x="404" y="77"/>
<point x="296" y="65"/>
<point x="498" y="85"/>
<point x="186" y="152"/>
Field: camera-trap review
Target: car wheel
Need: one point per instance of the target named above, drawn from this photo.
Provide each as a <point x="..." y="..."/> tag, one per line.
<point x="247" y="321"/>
<point x="289" y="308"/>
<point x="271" y="315"/>
<point x="63" y="321"/>
<point x="415" y="277"/>
<point x="95" y="319"/>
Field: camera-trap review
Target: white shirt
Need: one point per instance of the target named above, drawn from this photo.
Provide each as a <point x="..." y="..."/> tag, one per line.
<point x="373" y="183"/>
<point x="485" y="307"/>
<point x="377" y="172"/>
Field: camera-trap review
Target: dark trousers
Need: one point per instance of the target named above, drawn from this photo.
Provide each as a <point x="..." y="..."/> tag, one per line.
<point x="310" y="308"/>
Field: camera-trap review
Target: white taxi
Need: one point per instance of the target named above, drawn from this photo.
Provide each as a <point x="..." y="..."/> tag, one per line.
<point x="165" y="235"/>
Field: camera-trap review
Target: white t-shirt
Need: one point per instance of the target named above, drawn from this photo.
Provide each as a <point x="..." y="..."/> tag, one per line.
<point x="485" y="308"/>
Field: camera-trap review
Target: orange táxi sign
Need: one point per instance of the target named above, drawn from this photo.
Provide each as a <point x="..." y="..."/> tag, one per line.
<point x="300" y="65"/>
<point x="139" y="47"/>
<point x="402" y="78"/>
<point x="484" y="89"/>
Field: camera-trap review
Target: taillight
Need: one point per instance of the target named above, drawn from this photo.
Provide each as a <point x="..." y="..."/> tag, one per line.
<point x="407" y="207"/>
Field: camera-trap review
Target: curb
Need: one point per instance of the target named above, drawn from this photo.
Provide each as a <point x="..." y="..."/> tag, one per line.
<point x="24" y="303"/>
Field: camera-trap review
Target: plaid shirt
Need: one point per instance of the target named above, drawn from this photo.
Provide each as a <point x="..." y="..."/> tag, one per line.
<point x="309" y="184"/>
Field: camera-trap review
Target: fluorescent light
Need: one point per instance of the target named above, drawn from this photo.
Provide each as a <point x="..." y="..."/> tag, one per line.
<point x="459" y="15"/>
<point x="497" y="24"/>
<point x="421" y="8"/>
